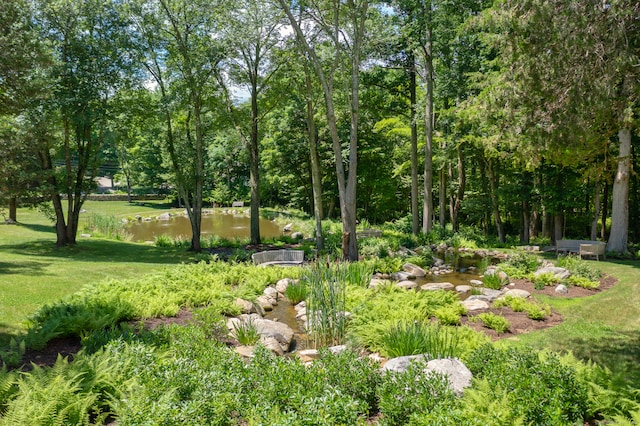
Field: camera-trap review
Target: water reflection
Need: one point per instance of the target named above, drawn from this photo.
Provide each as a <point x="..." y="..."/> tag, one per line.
<point x="225" y="225"/>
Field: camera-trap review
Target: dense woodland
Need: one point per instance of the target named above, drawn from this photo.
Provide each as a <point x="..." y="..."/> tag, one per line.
<point x="519" y="118"/>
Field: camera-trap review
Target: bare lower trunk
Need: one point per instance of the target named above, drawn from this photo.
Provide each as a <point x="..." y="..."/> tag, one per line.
<point x="526" y="218"/>
<point x="558" y="222"/>
<point x="493" y="184"/>
<point x="427" y="207"/>
<point x="13" y="209"/>
<point x="316" y="176"/>
<point x="620" y="201"/>
<point x="596" y="211"/>
<point x="415" y="215"/>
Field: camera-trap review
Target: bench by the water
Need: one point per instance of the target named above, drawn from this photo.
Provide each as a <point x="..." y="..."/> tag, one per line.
<point x="237" y="204"/>
<point x="278" y="257"/>
<point x="367" y="233"/>
<point x="582" y="247"/>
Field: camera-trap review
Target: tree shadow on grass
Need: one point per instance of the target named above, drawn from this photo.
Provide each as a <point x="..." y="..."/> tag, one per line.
<point x="99" y="251"/>
<point x="619" y="352"/>
<point x="24" y="268"/>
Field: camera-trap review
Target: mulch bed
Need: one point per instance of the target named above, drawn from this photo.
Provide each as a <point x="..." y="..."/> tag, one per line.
<point x="520" y="323"/>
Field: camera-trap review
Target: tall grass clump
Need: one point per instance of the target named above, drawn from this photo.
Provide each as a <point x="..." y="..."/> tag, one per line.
<point x="297" y="291"/>
<point x="326" y="303"/>
<point x="108" y="226"/>
<point x="416" y="338"/>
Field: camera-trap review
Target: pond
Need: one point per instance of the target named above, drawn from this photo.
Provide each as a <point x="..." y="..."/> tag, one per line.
<point x="224" y="224"/>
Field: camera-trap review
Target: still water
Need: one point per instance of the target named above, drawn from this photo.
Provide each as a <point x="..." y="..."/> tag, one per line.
<point x="224" y="225"/>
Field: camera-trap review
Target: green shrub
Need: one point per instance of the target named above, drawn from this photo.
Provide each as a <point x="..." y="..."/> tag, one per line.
<point x="583" y="282"/>
<point x="523" y="262"/>
<point x="412" y="394"/>
<point x="536" y="387"/>
<point x="415" y="338"/>
<point x="540" y="281"/>
<point x="579" y="267"/>
<point x="519" y="304"/>
<point x="296" y="292"/>
<point x="492" y="281"/>
<point x="495" y="322"/>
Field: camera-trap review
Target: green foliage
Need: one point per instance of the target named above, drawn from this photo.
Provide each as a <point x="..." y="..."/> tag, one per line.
<point x="246" y="332"/>
<point x="492" y="281"/>
<point x="583" y="282"/>
<point x="540" y="281"/>
<point x="450" y="314"/>
<point x="412" y="394"/>
<point x="415" y="338"/>
<point x="387" y="265"/>
<point x="579" y="268"/>
<point x="296" y="292"/>
<point x="12" y="356"/>
<point x="495" y="322"/>
<point x="538" y="388"/>
<point x="524" y="262"/>
<point x="518" y="304"/>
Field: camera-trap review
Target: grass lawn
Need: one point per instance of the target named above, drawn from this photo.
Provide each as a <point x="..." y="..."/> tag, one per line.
<point x="33" y="271"/>
<point x="604" y="328"/>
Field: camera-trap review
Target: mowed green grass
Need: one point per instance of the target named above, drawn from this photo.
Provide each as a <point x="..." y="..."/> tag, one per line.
<point x="33" y="271"/>
<point x="604" y="328"/>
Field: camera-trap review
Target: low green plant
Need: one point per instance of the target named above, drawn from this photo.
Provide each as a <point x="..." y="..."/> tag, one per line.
<point x="519" y="304"/>
<point x="540" y="281"/>
<point x="415" y="338"/>
<point x="524" y="262"/>
<point x="579" y="267"/>
<point x="246" y="332"/>
<point x="495" y="322"/>
<point x="12" y="356"/>
<point x="296" y="292"/>
<point x="450" y="314"/>
<point x="492" y="281"/>
<point x="583" y="282"/>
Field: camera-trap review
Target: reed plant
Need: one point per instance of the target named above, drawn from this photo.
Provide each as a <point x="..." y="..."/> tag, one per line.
<point x="296" y="292"/>
<point x="246" y="332"/>
<point x="326" y="303"/>
<point x="108" y="226"/>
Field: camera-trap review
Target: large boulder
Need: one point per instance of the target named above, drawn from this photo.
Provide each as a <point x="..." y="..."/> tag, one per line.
<point x="414" y="270"/>
<point x="407" y="285"/>
<point x="474" y="305"/>
<point x="402" y="276"/>
<point x="558" y="273"/>
<point x="436" y="286"/>
<point x="457" y="374"/>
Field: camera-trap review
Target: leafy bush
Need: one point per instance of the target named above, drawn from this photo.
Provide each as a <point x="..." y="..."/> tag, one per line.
<point x="579" y="267"/>
<point x="412" y="394"/>
<point x="415" y="338"/>
<point x="492" y="281"/>
<point x="540" y="281"/>
<point x="519" y="304"/>
<point x="495" y="322"/>
<point x="536" y="387"/>
<point x="523" y="262"/>
<point x="450" y="314"/>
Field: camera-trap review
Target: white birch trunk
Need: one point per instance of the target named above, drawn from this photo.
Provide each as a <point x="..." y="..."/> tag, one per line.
<point x="620" y="201"/>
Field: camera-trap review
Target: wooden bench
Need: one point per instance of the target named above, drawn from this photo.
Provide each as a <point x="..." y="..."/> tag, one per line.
<point x="278" y="257"/>
<point x="368" y="233"/>
<point x="591" y="248"/>
<point x="237" y="204"/>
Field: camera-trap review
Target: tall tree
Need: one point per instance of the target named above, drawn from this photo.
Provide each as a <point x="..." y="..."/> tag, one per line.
<point x="87" y="39"/>
<point x="253" y="33"/>
<point x="344" y="27"/>
<point x="177" y="49"/>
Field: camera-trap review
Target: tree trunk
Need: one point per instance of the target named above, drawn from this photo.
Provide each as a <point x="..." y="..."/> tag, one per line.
<point x="442" y="197"/>
<point x="415" y="215"/>
<point x="254" y="167"/>
<point x="13" y="209"/>
<point x="316" y="176"/>
<point x="526" y="219"/>
<point x="427" y="207"/>
<point x="493" y="184"/>
<point x="459" y="195"/>
<point x="620" y="201"/>
<point x="558" y="222"/>
<point x="596" y="211"/>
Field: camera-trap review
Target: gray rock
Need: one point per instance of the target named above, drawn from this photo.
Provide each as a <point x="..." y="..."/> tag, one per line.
<point x="562" y="289"/>
<point x="273" y="331"/>
<point x="375" y="282"/>
<point x="281" y="285"/>
<point x="436" y="286"/>
<point x="245" y="351"/>
<point x="516" y="292"/>
<point x="265" y="302"/>
<point x="457" y="373"/>
<point x="308" y="355"/>
<point x="558" y="273"/>
<point x="246" y="307"/>
<point x="476" y="283"/>
<point x="271" y="292"/>
<point x="474" y="304"/>
<point x="400" y="364"/>
<point x="414" y="270"/>
<point x="297" y="236"/>
<point x="490" y="293"/>
<point x="402" y="276"/>
<point x="407" y="285"/>
<point x="464" y="289"/>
